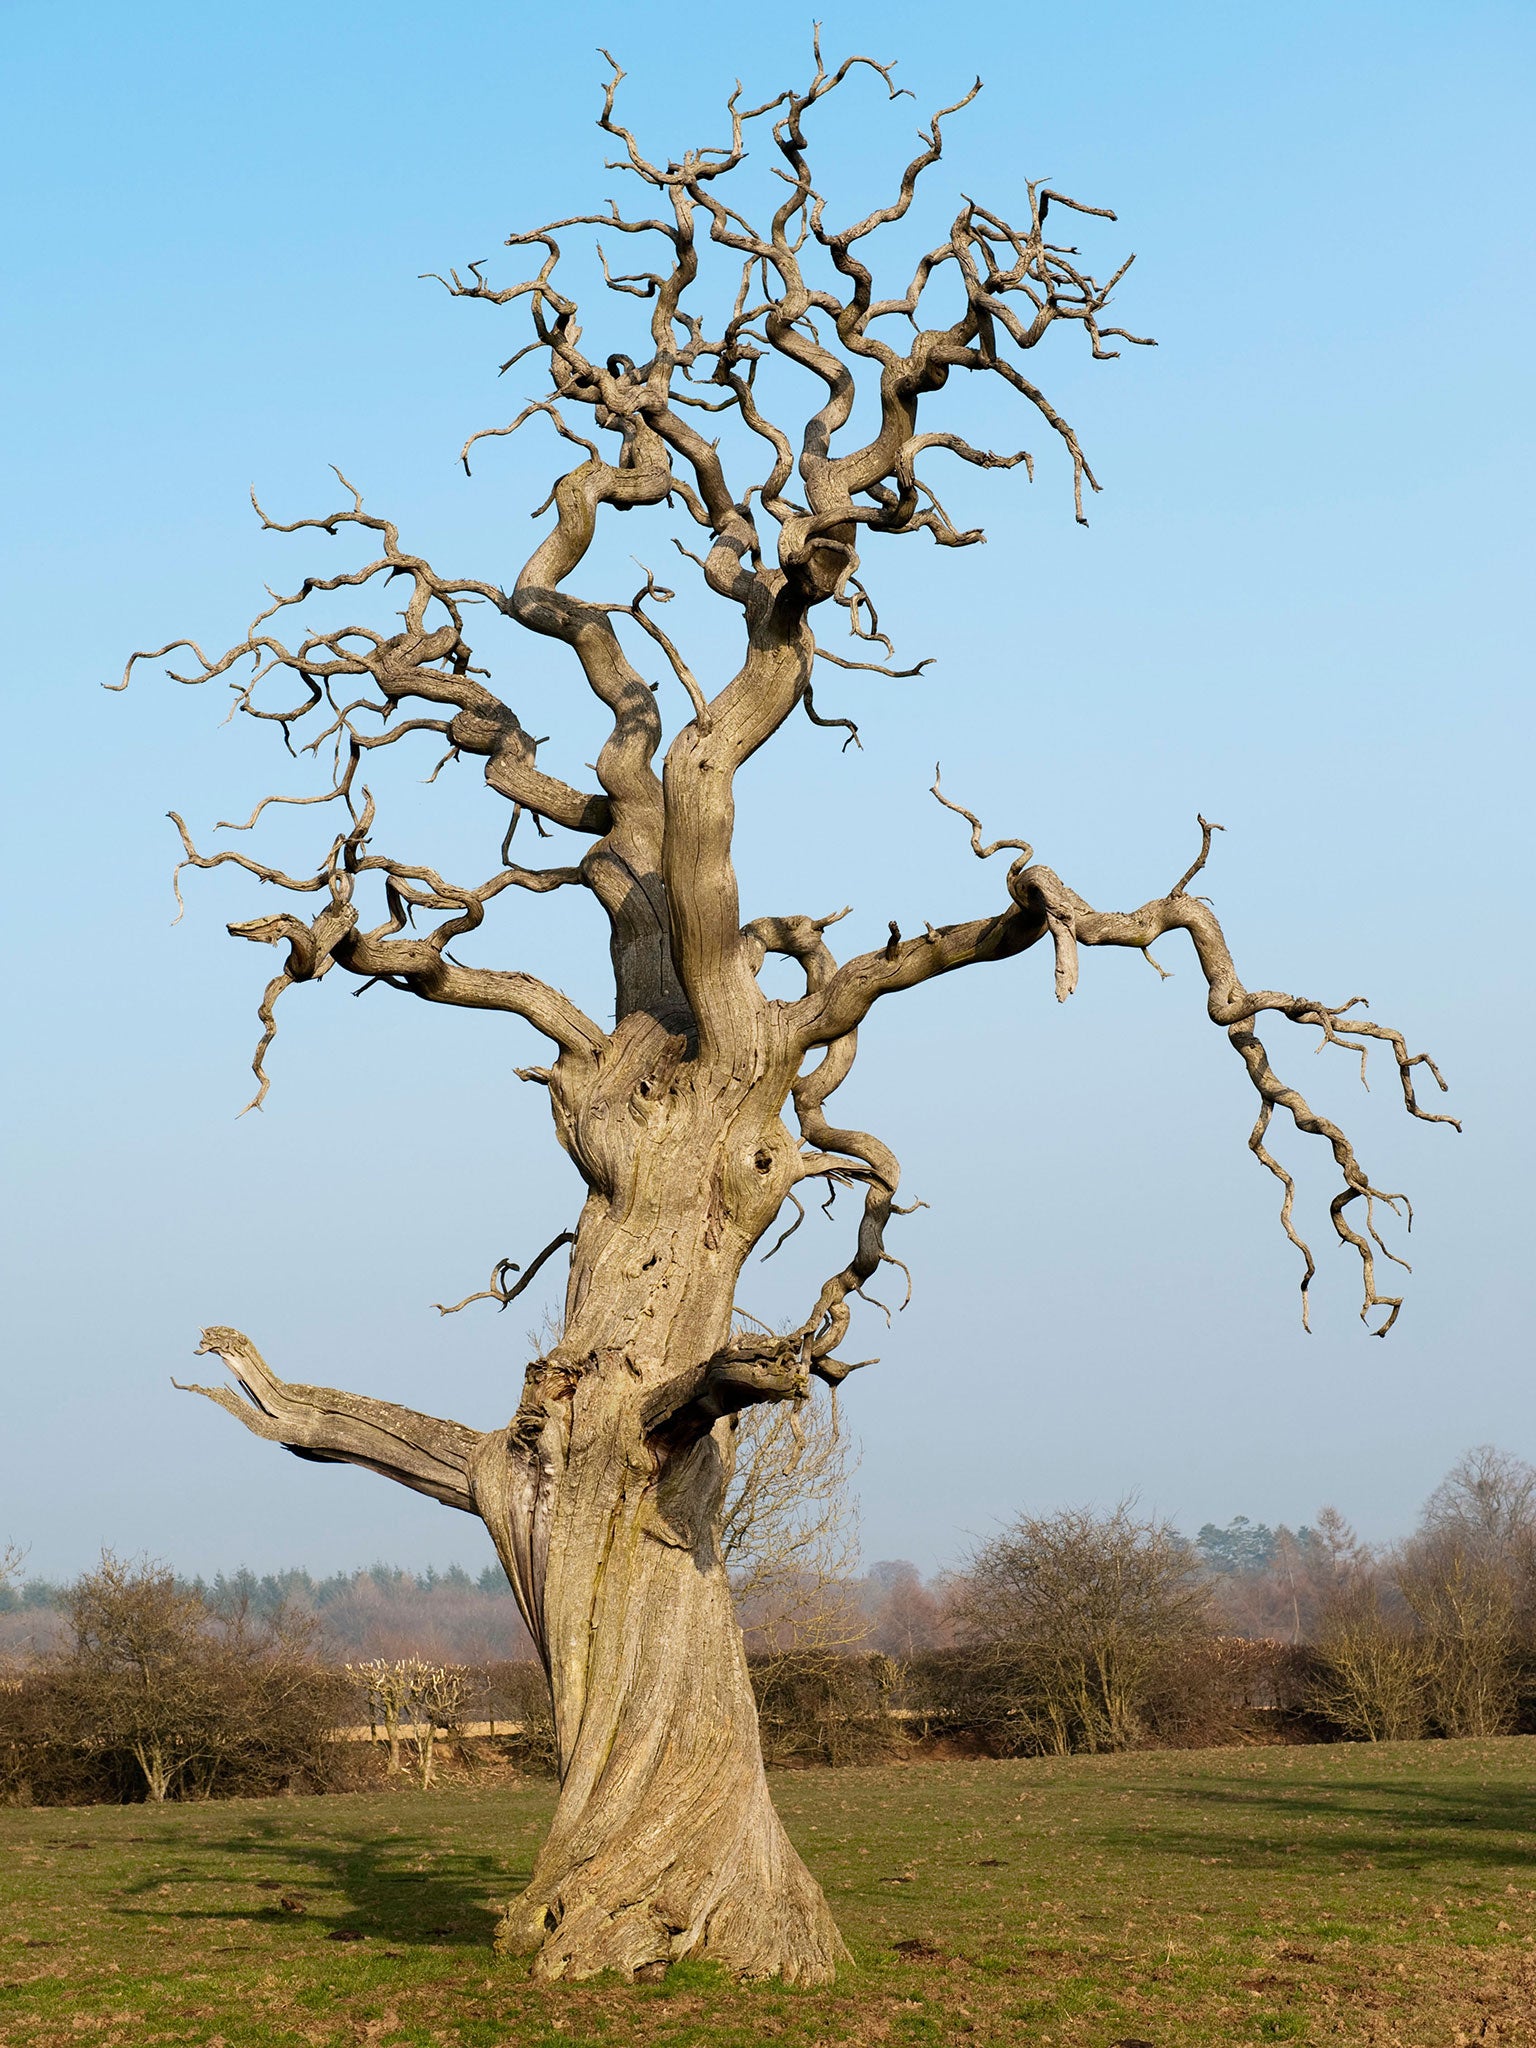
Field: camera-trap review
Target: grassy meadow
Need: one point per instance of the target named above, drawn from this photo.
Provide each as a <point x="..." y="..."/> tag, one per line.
<point x="1373" y="1894"/>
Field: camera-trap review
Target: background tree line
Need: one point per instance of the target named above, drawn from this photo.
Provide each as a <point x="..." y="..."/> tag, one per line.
<point x="1079" y="1630"/>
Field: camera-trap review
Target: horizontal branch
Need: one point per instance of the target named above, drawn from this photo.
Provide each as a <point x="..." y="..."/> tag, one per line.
<point x="331" y="1427"/>
<point x="858" y="984"/>
<point x="1044" y="903"/>
<point x="424" y="972"/>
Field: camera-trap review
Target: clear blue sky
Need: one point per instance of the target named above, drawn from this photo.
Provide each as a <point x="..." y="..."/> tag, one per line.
<point x="1303" y="607"/>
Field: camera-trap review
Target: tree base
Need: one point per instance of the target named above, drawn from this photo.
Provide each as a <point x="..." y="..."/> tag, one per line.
<point x="784" y="1929"/>
<point x="699" y="1866"/>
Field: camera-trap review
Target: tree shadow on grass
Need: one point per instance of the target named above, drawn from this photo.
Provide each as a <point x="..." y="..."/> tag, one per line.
<point x="1396" y="1822"/>
<point x="364" y="1887"/>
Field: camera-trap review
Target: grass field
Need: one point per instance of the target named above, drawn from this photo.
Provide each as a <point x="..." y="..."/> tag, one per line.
<point x="1354" y="1894"/>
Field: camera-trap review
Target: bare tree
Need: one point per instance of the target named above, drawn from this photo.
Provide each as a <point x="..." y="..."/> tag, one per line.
<point x="1081" y="1614"/>
<point x="604" y="1494"/>
<point x="1465" y="1604"/>
<point x="438" y="1694"/>
<point x="789" y="1529"/>
<point x="1468" y="1576"/>
<point x="1373" y="1668"/>
<point x="1487" y="1502"/>
<point x="389" y="1684"/>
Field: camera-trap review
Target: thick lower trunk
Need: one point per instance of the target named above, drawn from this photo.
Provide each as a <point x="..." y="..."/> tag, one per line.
<point x="604" y="1498"/>
<point x="664" y="1843"/>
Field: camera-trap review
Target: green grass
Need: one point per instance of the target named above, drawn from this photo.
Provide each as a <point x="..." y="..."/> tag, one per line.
<point x="1355" y="1894"/>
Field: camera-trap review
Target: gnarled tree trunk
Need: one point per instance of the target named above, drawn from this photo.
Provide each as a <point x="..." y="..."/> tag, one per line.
<point x="664" y="1842"/>
<point x="603" y="1497"/>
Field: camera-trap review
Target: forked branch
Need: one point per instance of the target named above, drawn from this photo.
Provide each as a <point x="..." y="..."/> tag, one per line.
<point x="1043" y="904"/>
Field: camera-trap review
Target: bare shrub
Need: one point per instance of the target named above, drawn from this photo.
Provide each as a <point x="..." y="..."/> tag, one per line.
<point x="1074" y="1620"/>
<point x="1210" y="1690"/>
<point x="1372" y="1675"/>
<point x="1464" y="1601"/>
<point x="143" y="1676"/>
<point x="158" y="1696"/>
<point x="826" y="1707"/>
<point x="789" y="1532"/>
<point x="524" y="1696"/>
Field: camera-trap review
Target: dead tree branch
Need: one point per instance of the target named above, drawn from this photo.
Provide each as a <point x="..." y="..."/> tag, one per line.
<point x="330" y="1427"/>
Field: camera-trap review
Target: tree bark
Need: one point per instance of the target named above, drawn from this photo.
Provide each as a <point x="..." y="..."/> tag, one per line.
<point x="605" y="1500"/>
<point x="603" y="1496"/>
<point x="665" y="1842"/>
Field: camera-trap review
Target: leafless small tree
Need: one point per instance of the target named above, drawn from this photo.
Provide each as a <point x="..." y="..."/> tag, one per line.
<point x="389" y="1683"/>
<point x="789" y="1531"/>
<point x="1372" y="1676"/>
<point x="12" y="1558"/>
<point x="438" y="1694"/>
<point x="1082" y="1614"/>
<point x="604" y="1495"/>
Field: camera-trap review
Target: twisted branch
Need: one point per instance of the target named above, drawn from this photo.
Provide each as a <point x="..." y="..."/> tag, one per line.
<point x="498" y="1290"/>
<point x="1043" y="904"/>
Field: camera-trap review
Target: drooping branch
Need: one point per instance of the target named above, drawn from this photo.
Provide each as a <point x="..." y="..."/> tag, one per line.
<point x="1236" y="1009"/>
<point x="1044" y="903"/>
